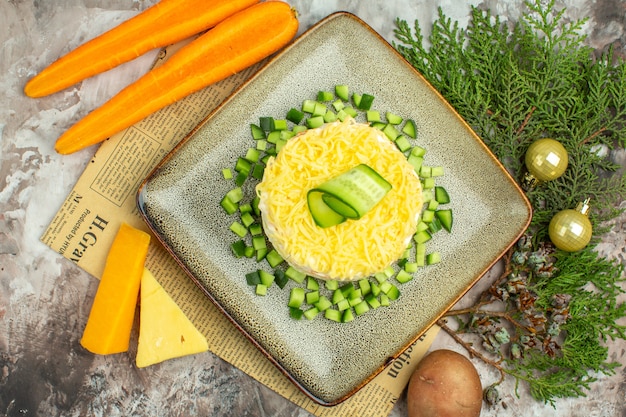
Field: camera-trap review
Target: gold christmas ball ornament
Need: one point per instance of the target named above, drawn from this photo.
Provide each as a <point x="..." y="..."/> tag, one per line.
<point x="570" y="230"/>
<point x="546" y="160"/>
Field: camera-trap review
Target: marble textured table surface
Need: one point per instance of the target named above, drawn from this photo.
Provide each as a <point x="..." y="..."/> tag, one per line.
<point x="45" y="300"/>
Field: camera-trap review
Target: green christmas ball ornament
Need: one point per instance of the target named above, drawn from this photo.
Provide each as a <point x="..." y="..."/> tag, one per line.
<point x="546" y="160"/>
<point x="570" y="230"/>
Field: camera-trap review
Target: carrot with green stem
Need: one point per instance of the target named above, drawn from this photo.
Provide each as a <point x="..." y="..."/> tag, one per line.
<point x="245" y="38"/>
<point x="165" y="23"/>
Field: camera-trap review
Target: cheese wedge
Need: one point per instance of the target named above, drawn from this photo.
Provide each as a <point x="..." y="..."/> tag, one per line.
<point x="112" y="314"/>
<point x="164" y="330"/>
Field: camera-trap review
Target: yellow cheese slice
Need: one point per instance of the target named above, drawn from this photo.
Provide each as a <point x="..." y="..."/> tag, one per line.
<point x="164" y="330"/>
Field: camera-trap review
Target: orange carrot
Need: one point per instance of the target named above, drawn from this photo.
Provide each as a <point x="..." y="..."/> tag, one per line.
<point x="167" y="22"/>
<point x="234" y="44"/>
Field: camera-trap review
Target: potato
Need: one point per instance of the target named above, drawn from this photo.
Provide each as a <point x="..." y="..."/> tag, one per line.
<point x="444" y="384"/>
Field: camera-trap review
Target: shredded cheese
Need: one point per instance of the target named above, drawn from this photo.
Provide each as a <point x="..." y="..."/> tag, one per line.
<point x="353" y="249"/>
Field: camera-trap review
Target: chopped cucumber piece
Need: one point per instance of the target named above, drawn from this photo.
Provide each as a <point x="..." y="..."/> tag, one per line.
<point x="247" y="219"/>
<point x="402" y="143"/>
<point x="295" y="275"/>
<point x="393" y="293"/>
<point x="280" y="278"/>
<point x="330" y="117"/>
<point x="410" y="129"/>
<point x="296" y="297"/>
<point x="286" y="134"/>
<point x="435" y="225"/>
<point x="338" y="105"/>
<point x="372" y="301"/>
<point x="257" y="132"/>
<point x="332" y="314"/>
<point x="279" y="124"/>
<point x="338" y="296"/>
<point x="365" y="286"/>
<point x="261" y="145"/>
<point x="238" y="229"/>
<point x="425" y="172"/>
<point x="308" y="106"/>
<point x="418" y="151"/>
<point x="428" y="216"/>
<point x="384" y="300"/>
<point x="331" y="284"/>
<point x="393" y="118"/>
<point x="315" y="121"/>
<point x="350" y="111"/>
<point x="343" y="304"/>
<point x="295" y="116"/>
<point x="445" y="217"/>
<point x="243" y="165"/>
<point x="311" y="313"/>
<point x="312" y="284"/>
<point x="260" y="289"/>
<point x="228" y="205"/>
<point x="265" y="123"/>
<point x="428" y="183"/>
<point x="342" y="92"/>
<point x="365" y="102"/>
<point x="238" y="248"/>
<point x="391" y="132"/>
<point x="323" y="303"/>
<point x="295" y="313"/>
<point x="266" y="278"/>
<point x="347" y="316"/>
<point x="258" y="243"/>
<point x="361" y="308"/>
<point x="257" y="171"/>
<point x="312" y="297"/>
<point x="274" y="259"/>
<point x="235" y="195"/>
<point x="433" y="258"/>
<point x="320" y="109"/>
<point x="403" y="276"/>
<point x="441" y="195"/>
<point x="422" y="237"/>
<point x="253" y="278"/>
<point x="381" y="277"/>
<point x="325" y="96"/>
<point x="261" y="254"/>
<point x="421" y="226"/>
<point x="298" y="129"/>
<point x="437" y="171"/>
<point x="372" y="116"/>
<point x="273" y="137"/>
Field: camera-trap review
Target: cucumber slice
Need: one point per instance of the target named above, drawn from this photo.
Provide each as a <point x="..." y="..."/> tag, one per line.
<point x="349" y="195"/>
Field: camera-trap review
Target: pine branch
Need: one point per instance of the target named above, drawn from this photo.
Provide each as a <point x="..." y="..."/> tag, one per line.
<point x="545" y="320"/>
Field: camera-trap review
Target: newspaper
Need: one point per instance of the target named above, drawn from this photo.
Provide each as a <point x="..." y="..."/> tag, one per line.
<point x="104" y="197"/>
